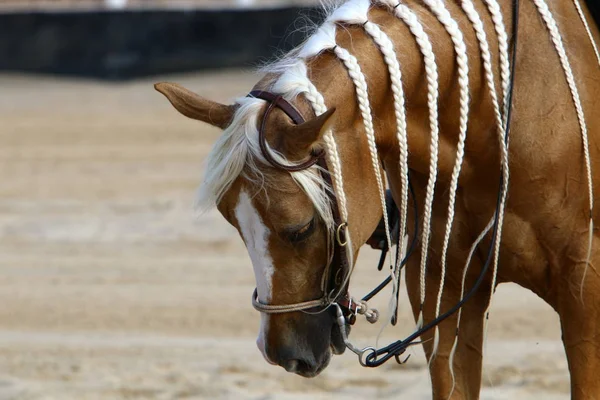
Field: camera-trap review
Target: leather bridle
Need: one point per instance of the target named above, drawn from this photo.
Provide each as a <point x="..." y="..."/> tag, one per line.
<point x="338" y="265"/>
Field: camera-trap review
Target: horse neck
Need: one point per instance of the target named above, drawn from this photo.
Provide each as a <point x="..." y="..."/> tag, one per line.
<point x="332" y="79"/>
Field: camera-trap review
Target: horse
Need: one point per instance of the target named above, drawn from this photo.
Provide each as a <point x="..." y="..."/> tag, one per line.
<point x="417" y="96"/>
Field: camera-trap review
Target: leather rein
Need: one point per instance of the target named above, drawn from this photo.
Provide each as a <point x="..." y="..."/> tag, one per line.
<point x="338" y="297"/>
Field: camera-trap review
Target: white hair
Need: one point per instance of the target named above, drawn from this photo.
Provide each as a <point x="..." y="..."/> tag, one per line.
<point x="460" y="48"/>
<point x="431" y="74"/>
<point x="237" y="153"/>
<point x="475" y="19"/>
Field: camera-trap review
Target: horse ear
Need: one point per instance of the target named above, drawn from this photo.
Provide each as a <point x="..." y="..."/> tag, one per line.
<point x="297" y="140"/>
<point x="193" y="106"/>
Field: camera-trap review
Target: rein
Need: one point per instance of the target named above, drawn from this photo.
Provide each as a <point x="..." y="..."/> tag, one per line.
<point x="376" y="357"/>
<point x="338" y="265"/>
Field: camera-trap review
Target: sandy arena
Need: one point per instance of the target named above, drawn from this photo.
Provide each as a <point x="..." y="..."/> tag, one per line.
<point x="113" y="288"/>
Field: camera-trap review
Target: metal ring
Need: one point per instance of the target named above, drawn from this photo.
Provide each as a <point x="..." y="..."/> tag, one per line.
<point x="362" y="358"/>
<point x="338" y="234"/>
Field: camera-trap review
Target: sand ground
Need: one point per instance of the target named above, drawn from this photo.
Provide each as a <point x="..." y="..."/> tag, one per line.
<point x="112" y="288"/>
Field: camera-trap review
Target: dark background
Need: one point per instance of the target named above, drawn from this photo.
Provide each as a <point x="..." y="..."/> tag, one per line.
<point x="122" y="44"/>
<point x="594" y="6"/>
<point x="133" y="43"/>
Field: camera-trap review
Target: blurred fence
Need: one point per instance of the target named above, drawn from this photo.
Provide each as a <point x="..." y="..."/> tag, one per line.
<point x="145" y="4"/>
<point x="103" y="39"/>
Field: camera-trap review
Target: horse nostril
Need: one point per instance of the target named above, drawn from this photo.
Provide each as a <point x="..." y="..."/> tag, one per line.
<point x="299" y="367"/>
<point x="291" y="365"/>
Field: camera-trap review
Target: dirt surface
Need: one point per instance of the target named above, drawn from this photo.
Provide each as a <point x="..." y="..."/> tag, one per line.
<point x="111" y="286"/>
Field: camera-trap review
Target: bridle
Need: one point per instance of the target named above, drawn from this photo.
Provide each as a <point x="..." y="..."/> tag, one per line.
<point x="338" y="266"/>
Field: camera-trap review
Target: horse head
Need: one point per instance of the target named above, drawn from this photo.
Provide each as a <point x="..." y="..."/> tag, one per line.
<point x="285" y="217"/>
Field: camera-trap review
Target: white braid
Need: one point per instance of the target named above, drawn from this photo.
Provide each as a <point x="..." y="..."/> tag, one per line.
<point x="387" y="49"/>
<point x="498" y="237"/>
<point x="566" y="65"/>
<point x="494" y="10"/>
<point x="362" y="95"/>
<point x="462" y="294"/>
<point x="442" y="14"/>
<point x="322" y="40"/>
<point x="359" y="15"/>
<point x="505" y="75"/>
<point x="294" y="82"/>
<point x="587" y="29"/>
<point x="471" y="12"/>
<point x="318" y="103"/>
<point x="411" y="20"/>
<point x="498" y="20"/>
<point x="355" y="12"/>
<point x="503" y="143"/>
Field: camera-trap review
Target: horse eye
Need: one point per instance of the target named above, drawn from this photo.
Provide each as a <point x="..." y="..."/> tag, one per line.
<point x="302" y="233"/>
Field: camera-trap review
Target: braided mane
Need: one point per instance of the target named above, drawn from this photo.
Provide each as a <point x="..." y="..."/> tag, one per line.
<point x="237" y="151"/>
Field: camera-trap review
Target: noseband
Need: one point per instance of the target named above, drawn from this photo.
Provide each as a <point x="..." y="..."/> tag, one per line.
<point x="338" y="266"/>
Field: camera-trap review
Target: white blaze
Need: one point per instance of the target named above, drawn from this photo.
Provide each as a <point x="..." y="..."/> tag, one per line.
<point x="256" y="235"/>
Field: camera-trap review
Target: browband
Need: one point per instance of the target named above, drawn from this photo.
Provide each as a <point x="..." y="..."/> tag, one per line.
<point x="288" y="108"/>
<point x="280" y="102"/>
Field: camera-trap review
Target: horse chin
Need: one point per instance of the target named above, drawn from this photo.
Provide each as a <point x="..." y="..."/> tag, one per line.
<point x="336" y="346"/>
<point x="324" y="364"/>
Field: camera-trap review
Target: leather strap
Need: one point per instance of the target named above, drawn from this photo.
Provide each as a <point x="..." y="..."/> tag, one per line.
<point x="334" y="277"/>
<point x="286" y="308"/>
<point x="340" y="257"/>
<point x="276" y="101"/>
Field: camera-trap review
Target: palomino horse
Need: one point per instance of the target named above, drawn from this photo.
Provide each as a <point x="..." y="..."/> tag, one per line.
<point x="419" y="92"/>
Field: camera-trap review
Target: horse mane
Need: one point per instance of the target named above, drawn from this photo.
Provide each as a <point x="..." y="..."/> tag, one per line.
<point x="237" y="151"/>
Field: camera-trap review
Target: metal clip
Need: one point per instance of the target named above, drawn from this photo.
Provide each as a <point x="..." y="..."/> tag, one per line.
<point x="371" y="314"/>
<point x="338" y="234"/>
